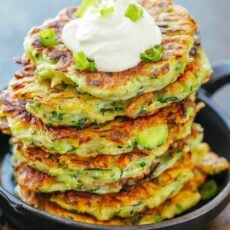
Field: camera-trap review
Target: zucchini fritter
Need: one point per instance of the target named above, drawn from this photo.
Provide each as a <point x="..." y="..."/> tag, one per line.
<point x="42" y="202"/>
<point x="97" y="174"/>
<point x="184" y="200"/>
<point x="208" y="163"/>
<point x="56" y="63"/>
<point x="181" y="202"/>
<point x="64" y="106"/>
<point x="117" y="137"/>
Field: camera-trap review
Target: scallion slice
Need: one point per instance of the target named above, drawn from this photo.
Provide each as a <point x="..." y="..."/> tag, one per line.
<point x="208" y="190"/>
<point x="134" y="12"/>
<point x="154" y="54"/>
<point x="82" y="62"/>
<point x="105" y="11"/>
<point x="48" y="37"/>
<point x="85" y="5"/>
<point x="92" y="66"/>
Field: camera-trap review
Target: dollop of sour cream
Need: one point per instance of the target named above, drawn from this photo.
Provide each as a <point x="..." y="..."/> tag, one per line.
<point x="114" y="42"/>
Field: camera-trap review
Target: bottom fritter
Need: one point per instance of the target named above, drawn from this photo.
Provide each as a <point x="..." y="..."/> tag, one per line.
<point x="148" y="194"/>
<point x="188" y="197"/>
<point x="170" y="194"/>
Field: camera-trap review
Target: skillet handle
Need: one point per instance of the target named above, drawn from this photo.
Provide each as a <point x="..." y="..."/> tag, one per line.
<point x="8" y="202"/>
<point x="220" y="78"/>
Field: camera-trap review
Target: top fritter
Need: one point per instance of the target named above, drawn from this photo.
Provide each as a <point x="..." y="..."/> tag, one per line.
<point x="158" y="66"/>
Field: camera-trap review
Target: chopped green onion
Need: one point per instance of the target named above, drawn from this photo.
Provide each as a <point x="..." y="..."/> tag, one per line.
<point x="153" y="55"/>
<point x="85" y="5"/>
<point x="208" y="190"/>
<point x="80" y="124"/>
<point x="105" y="11"/>
<point x="48" y="37"/>
<point x="82" y="62"/>
<point x="92" y="66"/>
<point x="134" y="12"/>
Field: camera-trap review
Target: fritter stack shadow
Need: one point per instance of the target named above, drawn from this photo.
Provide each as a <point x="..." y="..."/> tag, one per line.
<point x="110" y="148"/>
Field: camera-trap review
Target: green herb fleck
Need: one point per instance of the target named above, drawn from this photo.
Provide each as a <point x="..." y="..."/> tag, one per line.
<point x="80" y="124"/>
<point x="57" y="115"/>
<point x="138" y="204"/>
<point x="117" y="106"/>
<point x="73" y="149"/>
<point x="104" y="110"/>
<point x="118" y="109"/>
<point x="64" y="86"/>
<point x="37" y="55"/>
<point x="144" y="108"/>
<point x="142" y="164"/>
<point x="167" y="99"/>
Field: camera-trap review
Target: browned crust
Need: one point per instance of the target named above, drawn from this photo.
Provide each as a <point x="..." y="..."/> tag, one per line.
<point x="32" y="180"/>
<point x="41" y="201"/>
<point x="74" y="161"/>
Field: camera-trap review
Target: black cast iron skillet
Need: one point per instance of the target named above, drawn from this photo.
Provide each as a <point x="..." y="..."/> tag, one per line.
<point x="217" y="134"/>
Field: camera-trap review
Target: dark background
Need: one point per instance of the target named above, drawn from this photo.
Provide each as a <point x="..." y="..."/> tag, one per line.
<point x="18" y="16"/>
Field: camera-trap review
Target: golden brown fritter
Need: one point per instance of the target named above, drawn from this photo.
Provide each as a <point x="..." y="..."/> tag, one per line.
<point x="208" y="163"/>
<point x="56" y="63"/>
<point x="64" y="106"/>
<point x="42" y="202"/>
<point x="117" y="137"/>
<point x="179" y="203"/>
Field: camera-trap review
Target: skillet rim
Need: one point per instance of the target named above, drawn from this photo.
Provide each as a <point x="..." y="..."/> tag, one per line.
<point x="223" y="196"/>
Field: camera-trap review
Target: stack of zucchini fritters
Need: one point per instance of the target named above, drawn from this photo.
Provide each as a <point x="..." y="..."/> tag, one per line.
<point x="111" y="148"/>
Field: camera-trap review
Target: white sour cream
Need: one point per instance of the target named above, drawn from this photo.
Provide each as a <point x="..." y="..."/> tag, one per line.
<point x="114" y="42"/>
